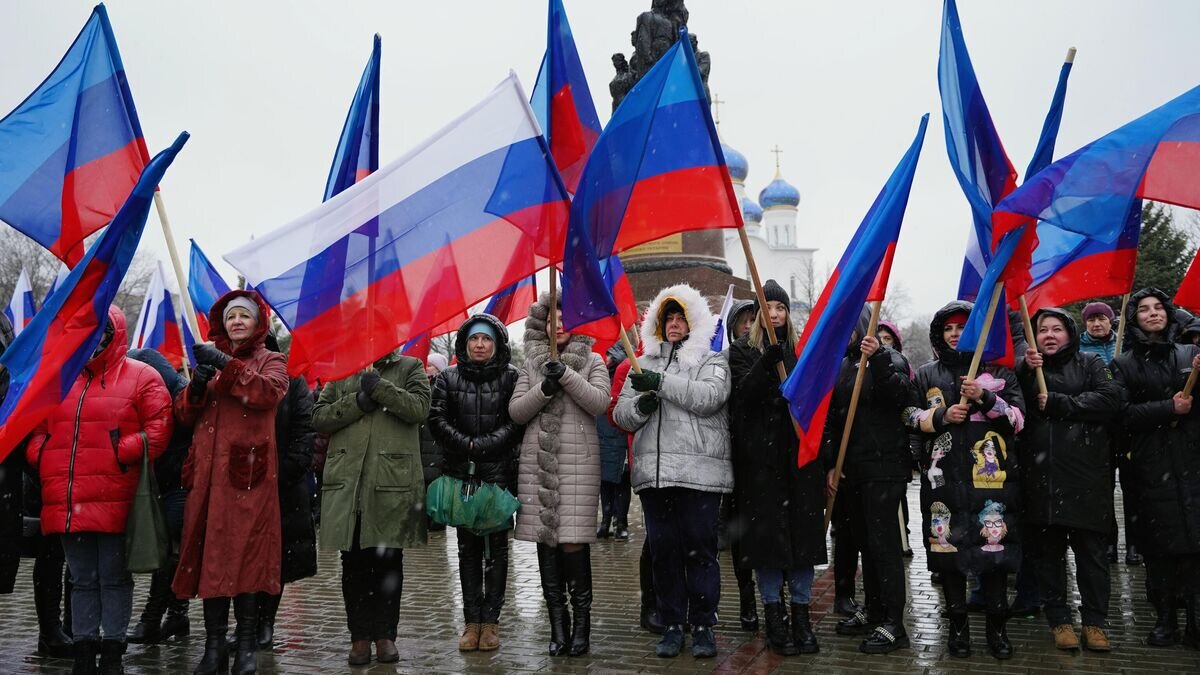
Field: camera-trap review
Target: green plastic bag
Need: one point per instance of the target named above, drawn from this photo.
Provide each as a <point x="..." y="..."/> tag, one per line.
<point x="480" y="507"/>
<point x="147" y="540"/>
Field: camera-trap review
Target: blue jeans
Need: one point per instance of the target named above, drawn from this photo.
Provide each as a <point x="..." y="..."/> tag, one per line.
<point x="102" y="598"/>
<point x="800" y="580"/>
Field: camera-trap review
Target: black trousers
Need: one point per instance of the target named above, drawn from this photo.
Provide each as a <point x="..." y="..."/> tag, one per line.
<point x="845" y="550"/>
<point x="1121" y="466"/>
<point x="993" y="584"/>
<point x="483" y="573"/>
<point x="1171" y="576"/>
<point x="681" y="525"/>
<point x="372" y="579"/>
<point x="872" y="507"/>
<point x="614" y="501"/>
<point x="1048" y="546"/>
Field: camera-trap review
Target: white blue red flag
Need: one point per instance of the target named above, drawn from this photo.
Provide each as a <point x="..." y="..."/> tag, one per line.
<point x="158" y="326"/>
<point x="512" y="303"/>
<point x="45" y="359"/>
<point x="205" y="286"/>
<point x="59" y="279"/>
<point x="482" y="189"/>
<point x="21" y="309"/>
<point x="809" y="387"/>
<point x="998" y="347"/>
<point x="718" y="338"/>
<point x="357" y="154"/>
<point x="73" y="149"/>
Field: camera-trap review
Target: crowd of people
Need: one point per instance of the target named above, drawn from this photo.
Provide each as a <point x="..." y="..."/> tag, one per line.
<point x="255" y="471"/>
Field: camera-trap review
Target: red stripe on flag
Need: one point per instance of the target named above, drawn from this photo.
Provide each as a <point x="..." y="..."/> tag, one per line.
<point x="879" y="288"/>
<point x="1171" y="175"/>
<point x="677" y="201"/>
<point x="810" y="438"/>
<point x="1108" y="273"/>
<point x="1188" y="296"/>
<point x="92" y="194"/>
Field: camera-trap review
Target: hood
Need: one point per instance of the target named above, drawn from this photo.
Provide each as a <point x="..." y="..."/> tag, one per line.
<point x="1134" y="336"/>
<point x="702" y="323"/>
<point x="736" y="308"/>
<point x="174" y="381"/>
<point x="942" y="350"/>
<point x="853" y="351"/>
<point x="216" y="325"/>
<point x="895" y="331"/>
<point x="1190" y="330"/>
<point x="1068" y="352"/>
<point x="114" y="353"/>
<point x="537" y="342"/>
<point x="499" y="361"/>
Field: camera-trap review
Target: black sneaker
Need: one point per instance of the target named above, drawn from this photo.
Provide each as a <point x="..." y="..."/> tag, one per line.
<point x="858" y="624"/>
<point x="886" y="638"/>
<point x="671" y="642"/>
<point x="704" y="644"/>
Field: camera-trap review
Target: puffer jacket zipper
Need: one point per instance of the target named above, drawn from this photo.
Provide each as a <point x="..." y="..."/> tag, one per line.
<point x="74" y="448"/>
<point x="658" y="435"/>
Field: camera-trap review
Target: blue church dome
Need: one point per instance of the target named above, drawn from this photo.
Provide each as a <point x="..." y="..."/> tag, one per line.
<point x="739" y="168"/>
<point x="779" y="193"/>
<point x="752" y="213"/>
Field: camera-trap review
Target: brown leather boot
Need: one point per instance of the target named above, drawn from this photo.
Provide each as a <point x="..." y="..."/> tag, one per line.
<point x="489" y="637"/>
<point x="360" y="653"/>
<point x="1095" y="639"/>
<point x="469" y="641"/>
<point x="386" y="652"/>
<point x="1064" y="636"/>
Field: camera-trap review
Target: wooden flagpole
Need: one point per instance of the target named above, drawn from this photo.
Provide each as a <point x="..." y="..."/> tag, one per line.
<point x="983" y="334"/>
<point x="1031" y="338"/>
<point x="629" y="352"/>
<point x="552" y="315"/>
<point x="1120" y="327"/>
<point x="872" y="327"/>
<point x="180" y="278"/>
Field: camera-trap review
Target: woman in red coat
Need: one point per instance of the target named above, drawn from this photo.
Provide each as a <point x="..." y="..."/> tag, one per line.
<point x="88" y="454"/>
<point x="231" y="534"/>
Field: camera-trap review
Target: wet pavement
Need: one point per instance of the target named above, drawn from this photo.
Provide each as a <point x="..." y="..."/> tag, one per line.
<point x="311" y="635"/>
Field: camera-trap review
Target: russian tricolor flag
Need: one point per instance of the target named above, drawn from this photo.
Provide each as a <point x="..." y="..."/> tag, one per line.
<point x="59" y="279"/>
<point x="563" y="102"/>
<point x="73" y="149"/>
<point x="482" y="189"/>
<point x="21" y="309"/>
<point x="45" y="359"/>
<point x="205" y="286"/>
<point x="357" y="154"/>
<point x="809" y="387"/>
<point x="158" y="326"/>
<point x="511" y="304"/>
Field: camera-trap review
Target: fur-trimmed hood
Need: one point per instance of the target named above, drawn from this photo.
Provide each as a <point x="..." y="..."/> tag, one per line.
<point x="537" y="342"/>
<point x="701" y="324"/>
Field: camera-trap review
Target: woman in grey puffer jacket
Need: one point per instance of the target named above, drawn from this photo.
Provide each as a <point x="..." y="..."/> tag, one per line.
<point x="558" y="479"/>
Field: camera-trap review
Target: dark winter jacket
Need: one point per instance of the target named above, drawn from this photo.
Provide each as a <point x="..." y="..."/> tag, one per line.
<point x="469" y="414"/>
<point x="294" y="434"/>
<point x="1065" y="449"/>
<point x="969" y="471"/>
<point x="1163" y="446"/>
<point x="614" y="443"/>
<point x="431" y="455"/>
<point x="1187" y="336"/>
<point x="88" y="452"/>
<point x="778" y="509"/>
<point x="169" y="465"/>
<point x="11" y="488"/>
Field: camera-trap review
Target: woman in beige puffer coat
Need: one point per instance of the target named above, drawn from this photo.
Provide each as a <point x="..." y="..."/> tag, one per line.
<point x="558" y="481"/>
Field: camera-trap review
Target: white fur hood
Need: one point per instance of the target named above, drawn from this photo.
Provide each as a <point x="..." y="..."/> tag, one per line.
<point x="701" y="324"/>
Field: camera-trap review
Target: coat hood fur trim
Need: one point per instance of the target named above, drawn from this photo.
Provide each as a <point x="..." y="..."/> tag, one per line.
<point x="701" y="324"/>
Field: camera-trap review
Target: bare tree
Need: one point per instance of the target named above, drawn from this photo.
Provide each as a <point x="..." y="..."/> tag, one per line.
<point x="915" y="340"/>
<point x="896" y="303"/>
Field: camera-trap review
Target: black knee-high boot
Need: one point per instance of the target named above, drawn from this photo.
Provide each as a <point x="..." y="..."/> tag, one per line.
<point x="245" y="610"/>
<point x="268" y="605"/>
<point x="649" y="619"/>
<point x="554" y="591"/>
<point x="216" y="624"/>
<point x="578" y="568"/>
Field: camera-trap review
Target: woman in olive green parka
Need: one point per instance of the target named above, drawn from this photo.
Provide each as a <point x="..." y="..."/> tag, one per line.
<point x="373" y="492"/>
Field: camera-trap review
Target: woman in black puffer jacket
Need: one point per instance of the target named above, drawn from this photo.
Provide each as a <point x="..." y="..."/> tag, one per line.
<point x="1163" y="430"/>
<point x="469" y="419"/>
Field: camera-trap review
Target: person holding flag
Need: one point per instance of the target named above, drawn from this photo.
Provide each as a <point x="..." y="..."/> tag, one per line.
<point x="779" y="505"/>
<point x="676" y="409"/>
<point x="970" y="488"/>
<point x="558" y="477"/>
<point x="1163" y="430"/>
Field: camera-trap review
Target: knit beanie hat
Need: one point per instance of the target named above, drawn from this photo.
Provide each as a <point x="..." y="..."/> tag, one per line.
<point x="1094" y="308"/>
<point x="481" y="326"/>
<point x="243" y="302"/>
<point x="773" y="291"/>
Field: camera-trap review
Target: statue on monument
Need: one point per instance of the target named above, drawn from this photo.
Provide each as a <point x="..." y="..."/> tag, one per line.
<point x="655" y="32"/>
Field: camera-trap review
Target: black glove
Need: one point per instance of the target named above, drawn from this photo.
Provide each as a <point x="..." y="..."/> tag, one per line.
<point x="200" y="378"/>
<point x="647" y="380"/>
<point x="773" y="354"/>
<point x="365" y="402"/>
<point x="553" y="370"/>
<point x="551" y="387"/>
<point x="206" y="353"/>
<point x="367" y="382"/>
<point x="647" y="404"/>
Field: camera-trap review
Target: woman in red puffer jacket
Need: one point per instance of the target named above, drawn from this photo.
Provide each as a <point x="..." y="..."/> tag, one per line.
<point x="88" y="453"/>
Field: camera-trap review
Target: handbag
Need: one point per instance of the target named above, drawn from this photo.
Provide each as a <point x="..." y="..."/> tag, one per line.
<point x="475" y="505"/>
<point x="147" y="540"/>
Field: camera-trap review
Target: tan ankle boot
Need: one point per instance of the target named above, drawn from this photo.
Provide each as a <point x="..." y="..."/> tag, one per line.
<point x="1095" y="639"/>
<point x="469" y="641"/>
<point x="489" y="637"/>
<point x="1065" y="637"/>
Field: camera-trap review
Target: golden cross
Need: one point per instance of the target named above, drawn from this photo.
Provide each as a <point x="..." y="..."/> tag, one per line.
<point x="777" y="152"/>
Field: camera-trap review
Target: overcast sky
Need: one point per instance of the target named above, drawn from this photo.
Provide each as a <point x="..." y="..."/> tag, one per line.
<point x="263" y="87"/>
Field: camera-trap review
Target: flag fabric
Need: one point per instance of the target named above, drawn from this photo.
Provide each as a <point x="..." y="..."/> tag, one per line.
<point x="357" y="154"/>
<point x="718" y="338"/>
<point x="1043" y="153"/>
<point x="1068" y="267"/>
<point x="809" y="387"/>
<point x="999" y="347"/>
<point x="563" y="102"/>
<point x="1093" y="190"/>
<point x="657" y="169"/>
<point x="59" y="279"/>
<point x="21" y="309"/>
<point x="482" y="189"/>
<point x="978" y="158"/>
<point x="205" y="286"/>
<point x="189" y="340"/>
<point x="1188" y="295"/>
<point x="74" y="148"/>
<point x="45" y="359"/>
<point x="511" y="304"/>
<point x="158" y="326"/>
